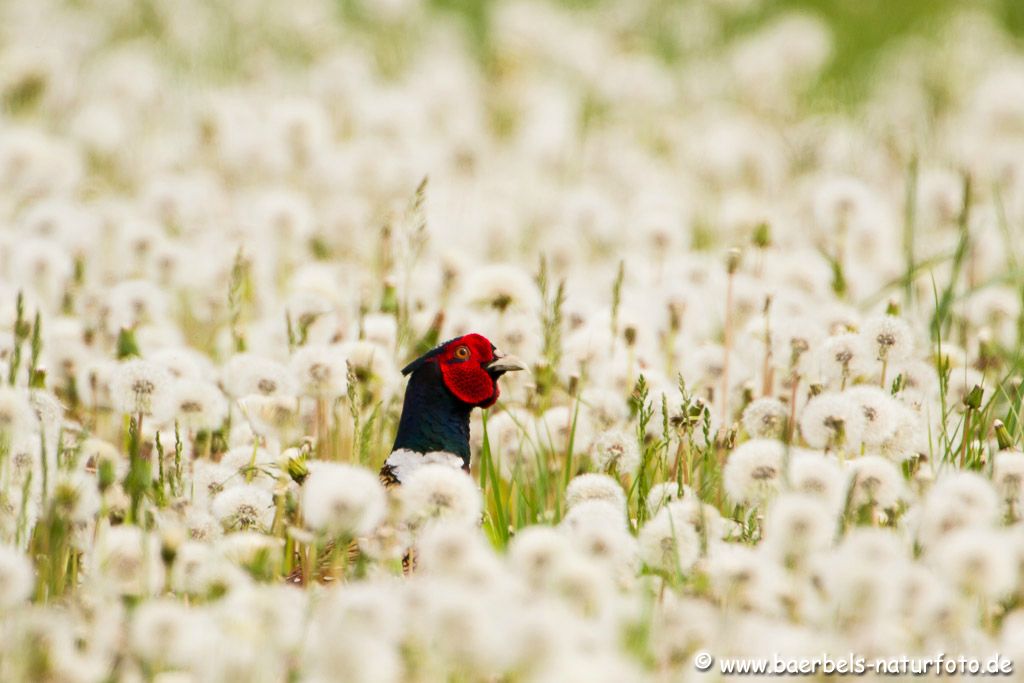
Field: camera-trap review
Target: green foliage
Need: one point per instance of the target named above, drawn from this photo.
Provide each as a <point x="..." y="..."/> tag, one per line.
<point x="127" y="347"/>
<point x="240" y="294"/>
<point x="546" y="375"/>
<point x="21" y="333"/>
<point x="940" y="320"/>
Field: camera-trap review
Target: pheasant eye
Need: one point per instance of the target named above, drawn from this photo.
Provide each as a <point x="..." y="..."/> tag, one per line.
<point x="462" y="353"/>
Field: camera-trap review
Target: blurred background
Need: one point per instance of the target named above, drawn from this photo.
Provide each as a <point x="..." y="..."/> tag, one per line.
<point x="218" y="38"/>
<point x="155" y="139"/>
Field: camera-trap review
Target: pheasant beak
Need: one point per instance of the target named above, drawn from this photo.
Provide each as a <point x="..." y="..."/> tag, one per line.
<point x="502" y="364"/>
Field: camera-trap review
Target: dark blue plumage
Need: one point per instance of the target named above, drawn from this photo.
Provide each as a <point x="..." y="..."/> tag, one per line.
<point x="433" y="419"/>
<point x="445" y="385"/>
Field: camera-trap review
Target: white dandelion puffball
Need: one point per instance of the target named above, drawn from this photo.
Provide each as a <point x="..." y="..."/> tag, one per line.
<point x="600" y="533"/>
<point x="587" y="487"/>
<point x="958" y="500"/>
<point x="845" y="357"/>
<point x="819" y="475"/>
<point x="664" y="493"/>
<point x="831" y="420"/>
<point x="878" y="414"/>
<point x="320" y="371"/>
<point x="796" y="524"/>
<point x="244" y="507"/>
<point x="753" y="471"/>
<point x="669" y="542"/>
<point x="198" y="404"/>
<point x="140" y="387"/>
<point x="16" y="415"/>
<point x="1008" y="475"/>
<point x="765" y="418"/>
<point x="246" y="374"/>
<point x="863" y="574"/>
<point x="500" y="288"/>
<point x="127" y="560"/>
<point x="594" y="512"/>
<point x="535" y="551"/>
<point x="436" y="492"/>
<point x="875" y="481"/>
<point x="342" y="500"/>
<point x="166" y="632"/>
<point x="17" y="578"/>
<point x="741" y="578"/>
<point x="976" y="562"/>
<point x="616" y="451"/>
<point x="889" y="338"/>
<point x="450" y="550"/>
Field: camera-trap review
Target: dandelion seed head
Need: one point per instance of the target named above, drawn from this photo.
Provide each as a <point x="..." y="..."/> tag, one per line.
<point x="605" y="407"/>
<point x="797" y="524"/>
<point x="17" y="417"/>
<point x="616" y="451"/>
<point x="753" y="471"/>
<point x="599" y="536"/>
<point x="535" y="551"/>
<point x="665" y="493"/>
<point x="558" y="425"/>
<point x="875" y="481"/>
<point x="765" y="418"/>
<point x="78" y="496"/>
<point x="509" y="442"/>
<point x="17" y="578"/>
<point x="183" y="362"/>
<point x="141" y="387"/>
<point x="243" y="507"/>
<point x="741" y="580"/>
<point x="342" y="500"/>
<point x="889" y="337"/>
<point x="500" y="288"/>
<point x="817" y="475"/>
<point x="127" y="561"/>
<point x="165" y="632"/>
<point x="669" y="542"/>
<point x="587" y="487"/>
<point x="135" y="303"/>
<point x="864" y="574"/>
<point x="435" y="492"/>
<point x="245" y="374"/>
<point x="844" y="356"/>
<point x="960" y="500"/>
<point x="976" y="563"/>
<point x="1008" y="474"/>
<point x="320" y="371"/>
<point x="582" y="584"/>
<point x="373" y="367"/>
<point x="831" y="420"/>
<point x="247" y="547"/>
<point x="198" y="404"/>
<point x="94" y="381"/>
<point x="381" y="329"/>
<point x="448" y="550"/>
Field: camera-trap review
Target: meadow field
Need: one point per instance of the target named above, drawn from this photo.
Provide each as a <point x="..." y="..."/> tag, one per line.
<point x="764" y="260"/>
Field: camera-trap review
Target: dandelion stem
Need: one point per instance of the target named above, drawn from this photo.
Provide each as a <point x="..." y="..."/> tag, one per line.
<point x="768" y="374"/>
<point x="791" y="427"/>
<point x="727" y="342"/>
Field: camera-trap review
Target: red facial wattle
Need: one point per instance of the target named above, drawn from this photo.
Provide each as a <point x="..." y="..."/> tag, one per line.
<point x="470" y="384"/>
<point x="463" y="368"/>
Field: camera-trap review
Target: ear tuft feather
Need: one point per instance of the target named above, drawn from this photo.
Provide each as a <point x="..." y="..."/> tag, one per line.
<point x="419" y="362"/>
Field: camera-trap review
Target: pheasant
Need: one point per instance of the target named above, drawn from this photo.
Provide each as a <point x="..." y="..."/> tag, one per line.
<point x="445" y="384"/>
